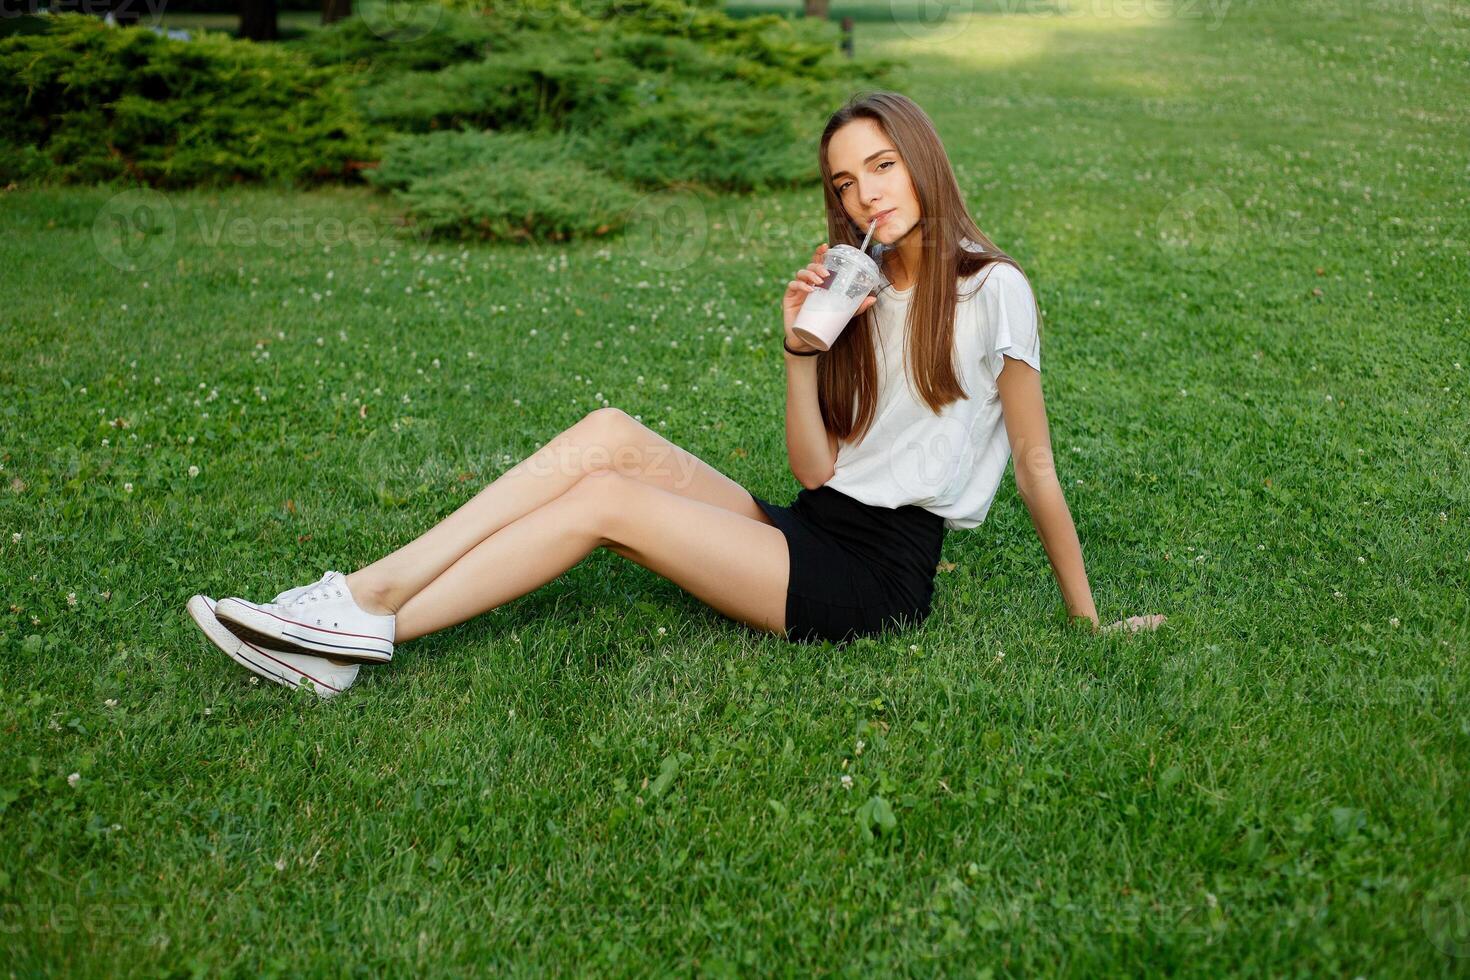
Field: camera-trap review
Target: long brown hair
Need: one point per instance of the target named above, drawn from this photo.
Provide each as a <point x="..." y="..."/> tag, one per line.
<point x="847" y="375"/>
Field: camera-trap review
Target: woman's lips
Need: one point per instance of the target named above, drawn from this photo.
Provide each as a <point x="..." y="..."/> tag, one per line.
<point x="884" y="216"/>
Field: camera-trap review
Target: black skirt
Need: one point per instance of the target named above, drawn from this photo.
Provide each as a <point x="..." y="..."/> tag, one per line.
<point x="856" y="569"/>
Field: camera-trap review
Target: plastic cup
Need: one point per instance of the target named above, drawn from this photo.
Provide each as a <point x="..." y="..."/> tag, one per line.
<point x="829" y="308"/>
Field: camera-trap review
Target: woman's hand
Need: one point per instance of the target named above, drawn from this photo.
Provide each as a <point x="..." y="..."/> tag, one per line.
<point x="808" y="278"/>
<point x="1135" y="624"/>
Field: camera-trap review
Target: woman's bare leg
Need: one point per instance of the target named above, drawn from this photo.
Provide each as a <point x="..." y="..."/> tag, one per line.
<point x="734" y="564"/>
<point x="607" y="438"/>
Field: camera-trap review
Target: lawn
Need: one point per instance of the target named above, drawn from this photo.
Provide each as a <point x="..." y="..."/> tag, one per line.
<point x="1249" y="234"/>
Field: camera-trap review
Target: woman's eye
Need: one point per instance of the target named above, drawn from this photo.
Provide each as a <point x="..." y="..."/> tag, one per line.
<point x="844" y="187"/>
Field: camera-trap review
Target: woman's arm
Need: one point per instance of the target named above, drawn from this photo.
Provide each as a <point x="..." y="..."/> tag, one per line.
<point x="810" y="448"/>
<point x="808" y="443"/>
<point x="1037" y="482"/>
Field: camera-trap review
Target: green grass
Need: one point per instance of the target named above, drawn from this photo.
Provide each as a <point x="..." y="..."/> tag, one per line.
<point x="1260" y="422"/>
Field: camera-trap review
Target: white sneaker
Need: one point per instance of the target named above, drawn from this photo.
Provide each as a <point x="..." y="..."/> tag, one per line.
<point x="291" y="669"/>
<point x="321" y="619"/>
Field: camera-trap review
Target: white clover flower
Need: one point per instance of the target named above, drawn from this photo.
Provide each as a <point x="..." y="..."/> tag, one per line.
<point x="127" y="488"/>
<point x="110" y="702"/>
<point x="71" y="598"/>
<point x="662" y="631"/>
<point x="280" y="864"/>
<point x="15" y="537"/>
<point x="846" y="781"/>
<point x="1393" y="621"/>
<point x="193" y="471"/>
<point x="73" y="779"/>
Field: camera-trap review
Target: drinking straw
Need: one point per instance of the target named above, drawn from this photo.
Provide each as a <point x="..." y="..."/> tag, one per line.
<point x="871" y="225"/>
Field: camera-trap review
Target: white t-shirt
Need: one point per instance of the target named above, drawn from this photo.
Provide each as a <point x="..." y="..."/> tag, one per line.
<point x="951" y="463"/>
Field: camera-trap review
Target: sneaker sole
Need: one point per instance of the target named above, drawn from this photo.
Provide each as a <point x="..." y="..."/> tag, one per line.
<point x="256" y="660"/>
<point x="264" y="629"/>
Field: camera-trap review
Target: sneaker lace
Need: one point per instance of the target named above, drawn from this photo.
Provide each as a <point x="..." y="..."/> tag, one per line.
<point x="319" y="590"/>
<point x="291" y="595"/>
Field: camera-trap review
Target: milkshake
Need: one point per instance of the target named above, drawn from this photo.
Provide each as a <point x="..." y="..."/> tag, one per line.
<point x="829" y="308"/>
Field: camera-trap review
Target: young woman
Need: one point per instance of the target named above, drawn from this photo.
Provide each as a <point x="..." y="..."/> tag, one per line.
<point x="899" y="433"/>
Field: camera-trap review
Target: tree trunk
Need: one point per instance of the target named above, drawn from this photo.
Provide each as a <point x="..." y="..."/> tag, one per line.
<point x="258" y="20"/>
<point x="335" y="10"/>
<point x="816" y="8"/>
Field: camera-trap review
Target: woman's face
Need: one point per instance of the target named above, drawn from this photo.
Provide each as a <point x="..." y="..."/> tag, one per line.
<point x="870" y="178"/>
